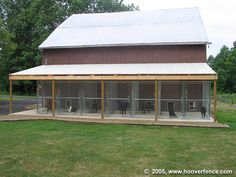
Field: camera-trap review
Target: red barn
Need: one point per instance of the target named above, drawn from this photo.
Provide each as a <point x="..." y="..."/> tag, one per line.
<point x="149" y="65"/>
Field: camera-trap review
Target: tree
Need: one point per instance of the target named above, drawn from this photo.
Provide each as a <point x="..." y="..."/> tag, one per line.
<point x="7" y="47"/>
<point x="225" y="65"/>
<point x="231" y="71"/>
<point x="234" y="44"/>
<point x="25" y="24"/>
<point x="210" y="60"/>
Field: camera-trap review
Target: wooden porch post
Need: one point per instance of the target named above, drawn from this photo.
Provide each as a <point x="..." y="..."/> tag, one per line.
<point x="10" y="103"/>
<point x="156" y="99"/>
<point x="102" y="99"/>
<point x="53" y="97"/>
<point x="215" y="101"/>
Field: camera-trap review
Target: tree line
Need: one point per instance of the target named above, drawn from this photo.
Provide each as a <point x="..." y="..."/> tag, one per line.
<point x="224" y="63"/>
<point x="25" y="24"/>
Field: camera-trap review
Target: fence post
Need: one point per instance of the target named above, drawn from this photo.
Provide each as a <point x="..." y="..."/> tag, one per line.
<point x="215" y="101"/>
<point x="10" y="103"/>
<point x="156" y="100"/>
<point x="102" y="99"/>
<point x="53" y="97"/>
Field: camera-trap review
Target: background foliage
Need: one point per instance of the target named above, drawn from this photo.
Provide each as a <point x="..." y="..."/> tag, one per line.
<point x="25" y="24"/>
<point x="224" y="63"/>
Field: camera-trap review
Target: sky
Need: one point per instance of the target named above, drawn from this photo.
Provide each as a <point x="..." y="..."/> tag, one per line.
<point x="219" y="18"/>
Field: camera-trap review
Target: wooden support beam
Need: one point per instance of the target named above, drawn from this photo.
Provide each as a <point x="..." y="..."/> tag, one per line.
<point x="215" y="101"/>
<point x="10" y="103"/>
<point x="53" y="97"/>
<point x="156" y="100"/>
<point x="114" y="77"/>
<point x="102" y="99"/>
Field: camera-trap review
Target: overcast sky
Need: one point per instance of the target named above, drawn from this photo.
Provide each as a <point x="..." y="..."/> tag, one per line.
<point x="219" y="17"/>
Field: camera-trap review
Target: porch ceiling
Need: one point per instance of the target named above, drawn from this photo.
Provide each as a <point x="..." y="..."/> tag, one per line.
<point x="147" y="71"/>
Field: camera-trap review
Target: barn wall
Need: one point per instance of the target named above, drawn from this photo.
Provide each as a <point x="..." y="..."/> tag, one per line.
<point x="135" y="54"/>
<point x="172" y="91"/>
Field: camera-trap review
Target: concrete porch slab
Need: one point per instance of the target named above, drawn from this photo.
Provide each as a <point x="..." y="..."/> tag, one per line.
<point x="27" y="115"/>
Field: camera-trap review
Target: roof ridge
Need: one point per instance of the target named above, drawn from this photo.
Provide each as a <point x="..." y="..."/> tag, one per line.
<point x="138" y="11"/>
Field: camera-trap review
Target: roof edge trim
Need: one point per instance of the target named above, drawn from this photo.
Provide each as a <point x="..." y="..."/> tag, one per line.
<point x="126" y="45"/>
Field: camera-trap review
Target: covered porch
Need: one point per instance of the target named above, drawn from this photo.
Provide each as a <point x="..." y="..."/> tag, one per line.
<point x="127" y="91"/>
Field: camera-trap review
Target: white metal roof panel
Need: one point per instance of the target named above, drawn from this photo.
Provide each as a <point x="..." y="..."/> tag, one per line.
<point x="120" y="69"/>
<point x="160" y="27"/>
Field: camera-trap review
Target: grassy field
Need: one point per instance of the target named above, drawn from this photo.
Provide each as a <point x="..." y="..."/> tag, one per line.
<point x="227" y="98"/>
<point x="6" y="97"/>
<point x="53" y="148"/>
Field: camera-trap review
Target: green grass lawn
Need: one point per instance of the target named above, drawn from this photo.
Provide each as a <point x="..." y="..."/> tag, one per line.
<point x="6" y="97"/>
<point x="54" y="148"/>
<point x="227" y="98"/>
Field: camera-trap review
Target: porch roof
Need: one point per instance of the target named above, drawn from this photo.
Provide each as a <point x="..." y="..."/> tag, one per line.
<point x="107" y="69"/>
<point x="146" y="71"/>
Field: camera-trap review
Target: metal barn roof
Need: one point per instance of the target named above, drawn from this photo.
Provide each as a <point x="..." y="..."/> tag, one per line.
<point x="120" y="69"/>
<point x="160" y="27"/>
